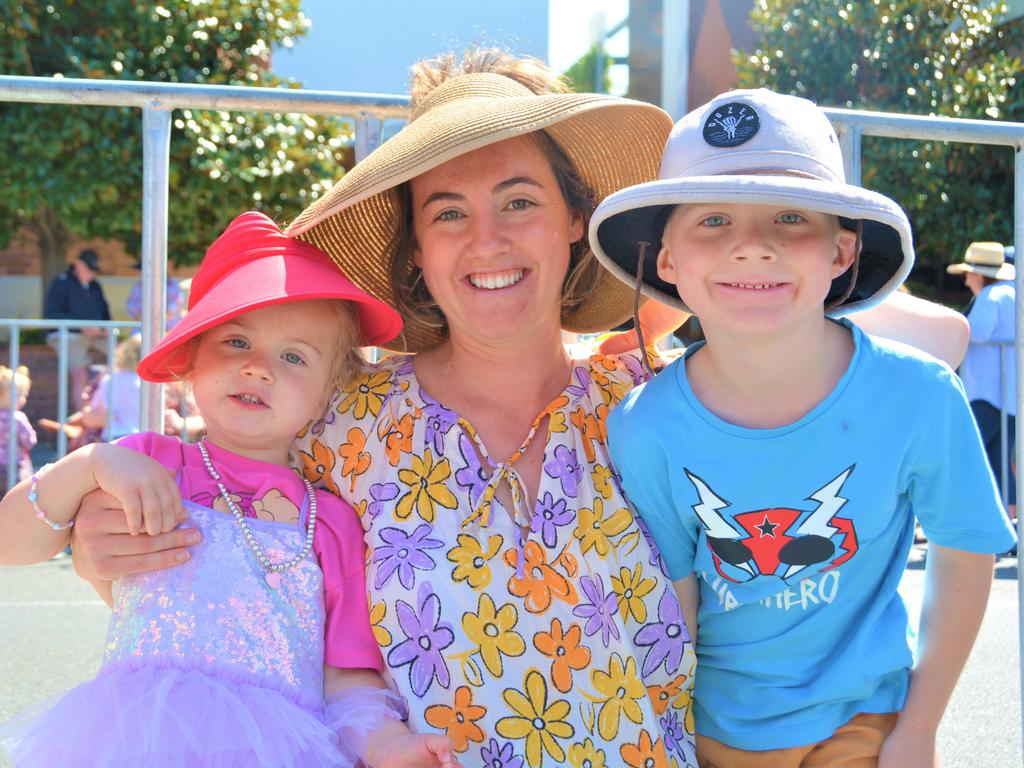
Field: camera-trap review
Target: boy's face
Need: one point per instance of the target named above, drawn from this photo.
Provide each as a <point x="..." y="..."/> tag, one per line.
<point x="753" y="268"/>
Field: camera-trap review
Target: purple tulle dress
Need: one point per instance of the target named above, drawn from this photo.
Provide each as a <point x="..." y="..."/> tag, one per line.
<point x="205" y="665"/>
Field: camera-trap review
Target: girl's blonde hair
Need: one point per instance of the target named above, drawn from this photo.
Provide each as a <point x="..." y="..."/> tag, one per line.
<point x="19" y="377"/>
<point x="128" y="353"/>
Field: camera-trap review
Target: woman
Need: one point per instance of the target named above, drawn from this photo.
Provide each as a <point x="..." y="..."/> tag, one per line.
<point x="518" y="602"/>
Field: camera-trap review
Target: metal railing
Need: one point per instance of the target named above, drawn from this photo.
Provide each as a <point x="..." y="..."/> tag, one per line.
<point x="158" y="100"/>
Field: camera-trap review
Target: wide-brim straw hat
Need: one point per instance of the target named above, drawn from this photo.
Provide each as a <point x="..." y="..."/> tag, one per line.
<point x="612" y="142"/>
<point x="988" y="259"/>
<point x="254" y="265"/>
<point x="755" y="147"/>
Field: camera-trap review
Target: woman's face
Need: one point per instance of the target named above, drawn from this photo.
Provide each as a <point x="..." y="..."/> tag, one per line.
<point x="493" y="233"/>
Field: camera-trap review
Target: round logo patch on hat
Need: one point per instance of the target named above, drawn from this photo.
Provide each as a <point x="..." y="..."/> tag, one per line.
<point x="731" y="124"/>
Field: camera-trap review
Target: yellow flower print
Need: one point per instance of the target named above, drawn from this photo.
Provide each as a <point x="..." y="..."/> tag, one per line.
<point x="612" y="388"/>
<point x="426" y="482"/>
<point x="586" y="755"/>
<point x="620" y="688"/>
<point x="556" y="422"/>
<point x="356" y="460"/>
<point x="365" y="394"/>
<point x="631" y="589"/>
<point x="602" y="477"/>
<point x="380" y="632"/>
<point x="535" y="721"/>
<point x="594" y="530"/>
<point x="472" y="561"/>
<point x="493" y="631"/>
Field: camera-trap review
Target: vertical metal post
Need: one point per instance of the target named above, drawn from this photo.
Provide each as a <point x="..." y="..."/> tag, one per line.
<point x="1018" y="240"/>
<point x="12" y="406"/>
<point x="156" y="157"/>
<point x="850" y="137"/>
<point x="1004" y="453"/>
<point x="62" y="390"/>
<point x="675" y="56"/>
<point x="368" y="134"/>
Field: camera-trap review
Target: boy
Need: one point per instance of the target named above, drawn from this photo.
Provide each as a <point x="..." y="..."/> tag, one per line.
<point x="780" y="465"/>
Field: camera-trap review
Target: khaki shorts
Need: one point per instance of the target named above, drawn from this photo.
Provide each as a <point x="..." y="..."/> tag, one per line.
<point x="854" y="745"/>
<point x="83" y="350"/>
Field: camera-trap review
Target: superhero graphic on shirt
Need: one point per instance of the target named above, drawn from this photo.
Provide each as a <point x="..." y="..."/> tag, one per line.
<point x="777" y="541"/>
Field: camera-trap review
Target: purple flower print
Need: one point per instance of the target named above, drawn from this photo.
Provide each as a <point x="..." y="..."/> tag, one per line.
<point x="497" y="755"/>
<point x="319" y="424"/>
<point x="675" y="735"/>
<point x="439" y="420"/>
<point x="403" y="553"/>
<point x="655" y="557"/>
<point x="566" y="468"/>
<point x="380" y="493"/>
<point x="599" y="612"/>
<point x="635" y="369"/>
<point x="427" y="636"/>
<point x="473" y="476"/>
<point x="548" y="514"/>
<point x="663" y="638"/>
<point x="579" y="391"/>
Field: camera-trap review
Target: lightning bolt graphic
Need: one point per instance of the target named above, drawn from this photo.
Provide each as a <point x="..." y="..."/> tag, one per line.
<point x="830" y="502"/>
<point x="707" y="510"/>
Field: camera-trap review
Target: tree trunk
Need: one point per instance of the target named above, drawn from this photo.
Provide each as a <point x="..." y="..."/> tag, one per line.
<point x="54" y="239"/>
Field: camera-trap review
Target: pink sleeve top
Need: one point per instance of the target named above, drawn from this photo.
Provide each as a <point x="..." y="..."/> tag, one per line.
<point x="270" y="491"/>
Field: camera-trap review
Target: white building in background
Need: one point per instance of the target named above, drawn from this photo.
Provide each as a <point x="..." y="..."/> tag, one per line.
<point x="369" y="45"/>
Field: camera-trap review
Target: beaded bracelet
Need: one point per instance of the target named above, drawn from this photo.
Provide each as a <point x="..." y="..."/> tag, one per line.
<point x="33" y="496"/>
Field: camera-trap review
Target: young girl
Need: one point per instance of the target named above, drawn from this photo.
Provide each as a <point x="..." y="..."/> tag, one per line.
<point x="14" y="385"/>
<point x="220" y="661"/>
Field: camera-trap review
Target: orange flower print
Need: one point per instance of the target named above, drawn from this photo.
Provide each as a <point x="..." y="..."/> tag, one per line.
<point x="541" y="582"/>
<point x="365" y="394"/>
<point x="644" y="754"/>
<point x="399" y="439"/>
<point x="663" y="695"/>
<point x="356" y="460"/>
<point x="563" y="647"/>
<point x="317" y="466"/>
<point x="459" y="720"/>
<point x="589" y="429"/>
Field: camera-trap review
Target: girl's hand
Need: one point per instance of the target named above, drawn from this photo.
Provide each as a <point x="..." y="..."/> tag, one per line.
<point x="908" y="748"/>
<point x="417" y="750"/>
<point x="145" y="488"/>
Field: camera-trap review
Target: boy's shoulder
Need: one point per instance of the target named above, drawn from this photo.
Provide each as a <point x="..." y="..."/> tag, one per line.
<point x="906" y="364"/>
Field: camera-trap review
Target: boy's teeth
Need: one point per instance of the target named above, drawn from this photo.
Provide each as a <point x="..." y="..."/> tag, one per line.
<point x="497" y="280"/>
<point x="753" y="286"/>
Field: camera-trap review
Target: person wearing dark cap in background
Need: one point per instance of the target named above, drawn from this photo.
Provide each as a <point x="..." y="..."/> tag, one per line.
<point x="76" y="294"/>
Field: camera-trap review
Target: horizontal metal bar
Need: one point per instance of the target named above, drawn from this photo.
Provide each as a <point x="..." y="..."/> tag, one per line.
<point x="17" y="322"/>
<point x="899" y="126"/>
<point x="132" y="93"/>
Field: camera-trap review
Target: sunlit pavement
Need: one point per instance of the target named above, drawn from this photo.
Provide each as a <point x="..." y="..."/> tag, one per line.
<point x="52" y="629"/>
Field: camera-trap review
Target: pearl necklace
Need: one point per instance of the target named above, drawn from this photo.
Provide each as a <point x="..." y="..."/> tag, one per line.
<point x="273" y="570"/>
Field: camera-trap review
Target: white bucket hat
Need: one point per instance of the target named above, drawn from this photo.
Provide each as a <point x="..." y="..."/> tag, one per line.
<point x="755" y="147"/>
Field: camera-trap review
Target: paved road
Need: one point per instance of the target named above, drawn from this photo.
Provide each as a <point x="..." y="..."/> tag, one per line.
<point x="52" y="633"/>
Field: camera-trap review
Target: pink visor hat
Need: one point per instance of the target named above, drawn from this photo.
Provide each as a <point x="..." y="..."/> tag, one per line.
<point x="253" y="264"/>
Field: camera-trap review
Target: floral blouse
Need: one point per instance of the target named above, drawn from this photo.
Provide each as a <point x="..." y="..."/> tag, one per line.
<point x="541" y="636"/>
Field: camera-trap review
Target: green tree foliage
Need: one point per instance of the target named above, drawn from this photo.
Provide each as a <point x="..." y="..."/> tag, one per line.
<point x="921" y="57"/>
<point x="79" y="169"/>
<point x="582" y="75"/>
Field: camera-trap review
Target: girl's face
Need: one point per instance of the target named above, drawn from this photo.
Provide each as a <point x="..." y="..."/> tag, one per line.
<point x="493" y="233"/>
<point x="259" y="378"/>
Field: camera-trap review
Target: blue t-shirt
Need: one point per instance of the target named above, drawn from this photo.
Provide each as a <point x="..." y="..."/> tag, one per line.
<point x="799" y="535"/>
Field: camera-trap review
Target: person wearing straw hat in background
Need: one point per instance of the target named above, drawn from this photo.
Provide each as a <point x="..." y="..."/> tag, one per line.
<point x="780" y="464"/>
<point x="520" y="605"/>
<point x="990" y="366"/>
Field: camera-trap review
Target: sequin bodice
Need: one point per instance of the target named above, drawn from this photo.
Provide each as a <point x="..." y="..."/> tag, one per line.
<point x="216" y="612"/>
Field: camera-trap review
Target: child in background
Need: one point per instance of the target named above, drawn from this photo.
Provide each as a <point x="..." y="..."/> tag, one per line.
<point x="225" y="659"/>
<point x="15" y="385"/>
<point x="780" y="464"/>
<point x="115" y="401"/>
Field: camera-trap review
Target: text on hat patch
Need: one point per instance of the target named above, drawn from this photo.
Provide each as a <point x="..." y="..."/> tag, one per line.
<point x="731" y="124"/>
